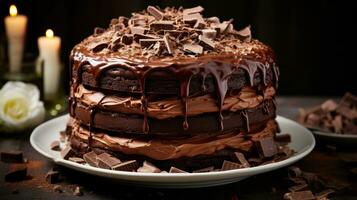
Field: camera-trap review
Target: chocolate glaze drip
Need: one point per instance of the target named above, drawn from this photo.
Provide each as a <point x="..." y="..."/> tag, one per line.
<point x="219" y="66"/>
<point x="93" y="109"/>
<point x="246" y="118"/>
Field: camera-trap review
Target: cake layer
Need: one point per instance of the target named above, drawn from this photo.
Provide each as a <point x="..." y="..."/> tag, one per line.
<point x="173" y="107"/>
<point x="168" y="148"/>
<point x="121" y="79"/>
<point x="246" y="120"/>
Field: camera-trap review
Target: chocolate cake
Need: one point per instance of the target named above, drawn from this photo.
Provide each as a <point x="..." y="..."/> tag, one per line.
<point x="171" y="89"/>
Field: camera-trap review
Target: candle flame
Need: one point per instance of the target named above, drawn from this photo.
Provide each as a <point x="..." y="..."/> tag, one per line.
<point x="13" y="10"/>
<point x="49" y="33"/>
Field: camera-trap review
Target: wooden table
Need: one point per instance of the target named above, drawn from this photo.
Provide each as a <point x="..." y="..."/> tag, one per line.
<point x="323" y="161"/>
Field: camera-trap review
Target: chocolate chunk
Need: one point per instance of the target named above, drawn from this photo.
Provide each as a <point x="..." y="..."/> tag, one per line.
<point x="245" y="34"/>
<point x="55" y="146"/>
<point x="298" y="187"/>
<point x="16" y="173"/>
<point x="58" y="188"/>
<point x="155" y="12"/>
<point x="158" y="48"/>
<point x="107" y="161"/>
<point x="148" y="168"/>
<point x="127" y="39"/>
<point x="241" y="158"/>
<point x="209" y="33"/>
<point x="168" y="45"/>
<point x="98" y="30"/>
<point x="206" y="43"/>
<point x="192" y="18"/>
<point x="130" y="165"/>
<point x="213" y="20"/>
<point x="99" y="47"/>
<point x="193" y="48"/>
<point x="77" y="191"/>
<point x="266" y="147"/>
<point x="348" y="100"/>
<point x="52" y="177"/>
<point x="118" y="27"/>
<point x="91" y="158"/>
<point x="148" y="43"/>
<point x="162" y="25"/>
<point x="337" y="124"/>
<point x="77" y="160"/>
<point x="324" y="194"/>
<point x="176" y="170"/>
<point x="255" y="161"/>
<point x="228" y="165"/>
<point x="138" y="30"/>
<point x="67" y="152"/>
<point x="12" y="156"/>
<point x="196" y="9"/>
<point x="206" y="169"/>
<point x="302" y="195"/>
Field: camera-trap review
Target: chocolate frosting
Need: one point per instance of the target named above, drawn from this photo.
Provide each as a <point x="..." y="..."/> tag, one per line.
<point x="167" y="108"/>
<point x="165" y="148"/>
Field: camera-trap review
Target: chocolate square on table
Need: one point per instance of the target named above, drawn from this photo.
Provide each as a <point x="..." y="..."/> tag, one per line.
<point x="107" y="161"/>
<point x="12" y="156"/>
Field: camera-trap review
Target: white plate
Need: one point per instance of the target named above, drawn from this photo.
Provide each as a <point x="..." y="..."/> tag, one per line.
<point x="302" y="142"/>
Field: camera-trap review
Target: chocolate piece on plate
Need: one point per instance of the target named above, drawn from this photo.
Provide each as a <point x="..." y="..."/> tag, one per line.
<point x="266" y="147"/>
<point x="91" y="158"/>
<point x="77" y="160"/>
<point x="206" y="169"/>
<point x="241" y="158"/>
<point x="67" y="152"/>
<point x="56" y="146"/>
<point x="129" y="166"/>
<point x="107" y="161"/>
<point x="228" y="165"/>
<point x="148" y="168"/>
<point x="176" y="170"/>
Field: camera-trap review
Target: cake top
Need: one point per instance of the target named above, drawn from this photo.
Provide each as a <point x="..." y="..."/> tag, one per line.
<point x="173" y="33"/>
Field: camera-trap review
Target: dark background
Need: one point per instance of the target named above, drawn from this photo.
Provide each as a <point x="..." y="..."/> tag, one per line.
<point x="314" y="40"/>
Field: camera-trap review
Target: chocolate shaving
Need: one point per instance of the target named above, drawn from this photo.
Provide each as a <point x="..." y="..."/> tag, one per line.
<point x="99" y="47"/>
<point x="155" y="12"/>
<point x="193" y="48"/>
<point x="223" y="27"/>
<point x="191" y="19"/>
<point x="138" y="30"/>
<point x="12" y="156"/>
<point x="148" y="43"/>
<point x="176" y="170"/>
<point x="245" y="34"/>
<point x="168" y="45"/>
<point x="107" y="161"/>
<point x="127" y="39"/>
<point x="130" y="165"/>
<point x="123" y="20"/>
<point x="209" y="33"/>
<point x="206" y="43"/>
<point x="162" y="25"/>
<point x="137" y="37"/>
<point x="196" y="9"/>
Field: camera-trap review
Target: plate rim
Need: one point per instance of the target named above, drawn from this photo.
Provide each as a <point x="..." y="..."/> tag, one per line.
<point x="246" y="172"/>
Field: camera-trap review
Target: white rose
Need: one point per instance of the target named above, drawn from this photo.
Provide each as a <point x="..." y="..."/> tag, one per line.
<point x="20" y="106"/>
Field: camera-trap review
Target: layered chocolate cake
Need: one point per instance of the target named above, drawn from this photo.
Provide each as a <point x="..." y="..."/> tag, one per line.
<point x="172" y="90"/>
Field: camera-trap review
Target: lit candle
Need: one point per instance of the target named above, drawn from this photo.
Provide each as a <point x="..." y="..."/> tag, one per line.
<point x="15" y="30"/>
<point x="49" y="47"/>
